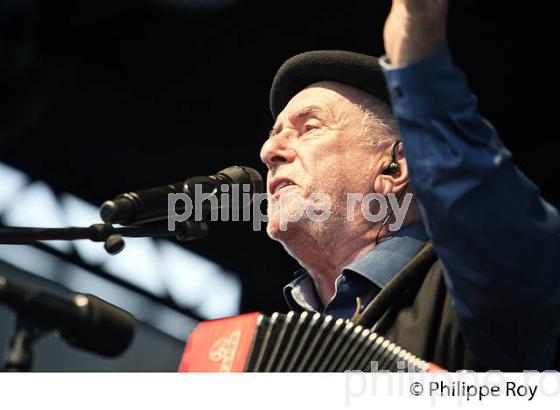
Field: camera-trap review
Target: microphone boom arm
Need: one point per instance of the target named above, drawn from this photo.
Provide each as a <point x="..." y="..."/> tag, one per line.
<point x="107" y="233"/>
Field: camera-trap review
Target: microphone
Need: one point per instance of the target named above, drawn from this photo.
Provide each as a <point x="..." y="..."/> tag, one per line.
<point x="84" y="321"/>
<point x="150" y="205"/>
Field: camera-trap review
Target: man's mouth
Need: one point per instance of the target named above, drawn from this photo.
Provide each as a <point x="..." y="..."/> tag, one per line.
<point x="279" y="184"/>
<point x="283" y="185"/>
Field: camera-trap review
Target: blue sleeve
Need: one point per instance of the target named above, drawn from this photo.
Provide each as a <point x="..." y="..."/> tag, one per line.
<point x="498" y="239"/>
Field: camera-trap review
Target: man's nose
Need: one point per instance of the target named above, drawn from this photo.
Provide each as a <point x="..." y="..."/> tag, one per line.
<point x="276" y="151"/>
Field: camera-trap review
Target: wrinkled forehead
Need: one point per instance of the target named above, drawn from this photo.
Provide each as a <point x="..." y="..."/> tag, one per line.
<point x="324" y="98"/>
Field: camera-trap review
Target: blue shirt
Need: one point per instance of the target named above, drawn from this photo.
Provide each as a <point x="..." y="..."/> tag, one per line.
<point x="498" y="239"/>
<point x="363" y="278"/>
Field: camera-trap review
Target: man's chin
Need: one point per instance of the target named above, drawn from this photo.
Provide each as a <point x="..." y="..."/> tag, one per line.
<point x="280" y="233"/>
<point x="273" y="230"/>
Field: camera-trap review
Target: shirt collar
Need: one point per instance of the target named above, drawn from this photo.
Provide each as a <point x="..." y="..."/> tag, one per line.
<point x="378" y="266"/>
<point x="387" y="258"/>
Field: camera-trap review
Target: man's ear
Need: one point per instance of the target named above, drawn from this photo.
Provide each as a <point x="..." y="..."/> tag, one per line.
<point x="394" y="178"/>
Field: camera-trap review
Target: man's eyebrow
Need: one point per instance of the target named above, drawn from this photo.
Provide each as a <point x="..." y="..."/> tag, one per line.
<point x="274" y="131"/>
<point x="305" y="111"/>
<point x="308" y="110"/>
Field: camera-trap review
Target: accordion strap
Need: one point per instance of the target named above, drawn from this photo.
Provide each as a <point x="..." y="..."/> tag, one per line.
<point x="410" y="276"/>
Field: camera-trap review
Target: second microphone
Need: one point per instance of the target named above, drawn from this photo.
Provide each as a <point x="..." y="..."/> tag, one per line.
<point x="150" y="205"/>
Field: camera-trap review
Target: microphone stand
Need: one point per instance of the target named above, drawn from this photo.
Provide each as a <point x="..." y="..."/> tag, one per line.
<point x="20" y="357"/>
<point x="107" y="233"/>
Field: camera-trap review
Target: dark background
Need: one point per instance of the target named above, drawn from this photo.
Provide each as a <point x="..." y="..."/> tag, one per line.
<point x="99" y="98"/>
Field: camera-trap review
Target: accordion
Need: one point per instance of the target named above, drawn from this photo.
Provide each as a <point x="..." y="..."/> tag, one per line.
<point x="293" y="342"/>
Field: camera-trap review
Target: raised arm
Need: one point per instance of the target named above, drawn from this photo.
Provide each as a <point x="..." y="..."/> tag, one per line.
<point x="499" y="240"/>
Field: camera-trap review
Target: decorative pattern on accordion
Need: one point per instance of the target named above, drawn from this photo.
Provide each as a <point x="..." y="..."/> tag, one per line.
<point x="293" y="342"/>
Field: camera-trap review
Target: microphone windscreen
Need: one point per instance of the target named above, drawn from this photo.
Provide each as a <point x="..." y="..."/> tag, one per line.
<point x="245" y="175"/>
<point x="109" y="332"/>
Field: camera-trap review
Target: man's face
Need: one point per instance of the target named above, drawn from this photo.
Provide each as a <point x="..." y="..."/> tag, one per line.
<point x="318" y="146"/>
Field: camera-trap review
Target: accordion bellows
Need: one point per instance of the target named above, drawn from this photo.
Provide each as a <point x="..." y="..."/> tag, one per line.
<point x="293" y="342"/>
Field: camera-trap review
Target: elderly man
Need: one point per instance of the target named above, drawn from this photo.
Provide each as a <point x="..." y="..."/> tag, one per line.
<point x="491" y="299"/>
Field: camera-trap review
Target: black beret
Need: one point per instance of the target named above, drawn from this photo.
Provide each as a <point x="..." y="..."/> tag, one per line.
<point x="358" y="70"/>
